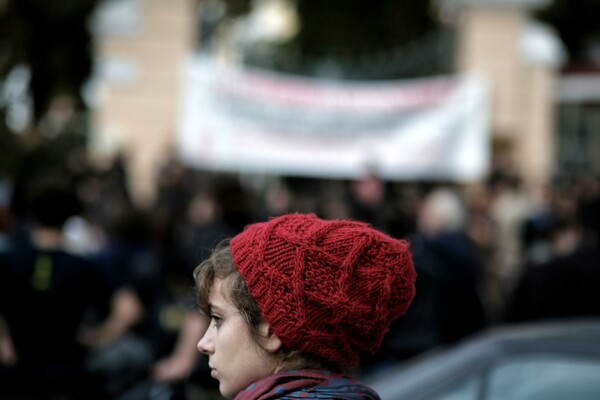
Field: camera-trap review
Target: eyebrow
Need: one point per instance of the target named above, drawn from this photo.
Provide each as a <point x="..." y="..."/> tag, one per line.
<point x="212" y="307"/>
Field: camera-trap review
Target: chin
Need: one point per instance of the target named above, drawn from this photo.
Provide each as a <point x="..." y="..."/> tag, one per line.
<point x="226" y="393"/>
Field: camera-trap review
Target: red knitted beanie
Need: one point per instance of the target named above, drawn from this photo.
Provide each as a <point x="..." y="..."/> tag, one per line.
<point x="326" y="288"/>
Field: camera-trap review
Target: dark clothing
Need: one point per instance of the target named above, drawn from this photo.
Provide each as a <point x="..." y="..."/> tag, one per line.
<point x="303" y="384"/>
<point x="447" y="305"/>
<point x="143" y="269"/>
<point x="45" y="297"/>
<point x="561" y="288"/>
<point x="139" y="268"/>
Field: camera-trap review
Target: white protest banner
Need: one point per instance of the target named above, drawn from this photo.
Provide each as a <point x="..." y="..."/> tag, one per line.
<point x="254" y="121"/>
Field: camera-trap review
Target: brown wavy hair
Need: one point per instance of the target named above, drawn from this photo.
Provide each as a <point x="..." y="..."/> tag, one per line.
<point x="220" y="265"/>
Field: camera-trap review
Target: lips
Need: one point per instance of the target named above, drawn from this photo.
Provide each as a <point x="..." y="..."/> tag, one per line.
<point x="213" y="371"/>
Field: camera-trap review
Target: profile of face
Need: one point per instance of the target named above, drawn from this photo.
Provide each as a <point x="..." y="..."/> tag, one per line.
<point x="236" y="357"/>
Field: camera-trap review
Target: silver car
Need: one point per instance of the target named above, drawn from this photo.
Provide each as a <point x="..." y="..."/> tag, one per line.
<point x="539" y="361"/>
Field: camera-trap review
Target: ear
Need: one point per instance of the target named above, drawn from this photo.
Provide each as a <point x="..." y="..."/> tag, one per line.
<point x="269" y="340"/>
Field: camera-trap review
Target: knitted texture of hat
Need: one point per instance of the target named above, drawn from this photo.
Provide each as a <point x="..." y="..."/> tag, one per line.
<point x="326" y="288"/>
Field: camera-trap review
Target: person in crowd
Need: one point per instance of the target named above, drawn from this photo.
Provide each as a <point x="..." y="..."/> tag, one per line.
<point x="566" y="286"/>
<point x="182" y="365"/>
<point x="295" y="301"/>
<point x="204" y="229"/>
<point x="368" y="200"/>
<point x="448" y="305"/>
<point x="509" y="207"/>
<point x="125" y="347"/>
<point x="149" y="346"/>
<point x="46" y="296"/>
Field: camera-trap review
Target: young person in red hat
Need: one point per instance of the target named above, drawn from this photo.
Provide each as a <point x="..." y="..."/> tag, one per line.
<point x="294" y="301"/>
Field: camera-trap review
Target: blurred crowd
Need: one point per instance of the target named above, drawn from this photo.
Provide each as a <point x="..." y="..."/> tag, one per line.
<point x="96" y="293"/>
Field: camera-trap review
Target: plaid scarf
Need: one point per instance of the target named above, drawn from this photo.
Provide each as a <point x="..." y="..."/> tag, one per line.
<point x="307" y="384"/>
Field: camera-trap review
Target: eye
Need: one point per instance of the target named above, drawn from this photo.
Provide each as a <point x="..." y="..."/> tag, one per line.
<point x="216" y="320"/>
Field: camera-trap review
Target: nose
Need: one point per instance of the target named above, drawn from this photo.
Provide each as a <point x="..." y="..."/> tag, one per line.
<point x="206" y="344"/>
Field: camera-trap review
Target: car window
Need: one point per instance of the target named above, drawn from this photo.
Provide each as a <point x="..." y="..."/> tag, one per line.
<point x="466" y="389"/>
<point x="545" y="378"/>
